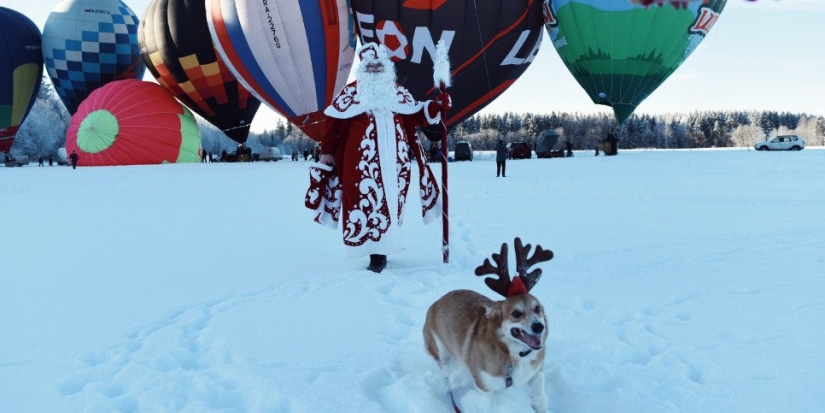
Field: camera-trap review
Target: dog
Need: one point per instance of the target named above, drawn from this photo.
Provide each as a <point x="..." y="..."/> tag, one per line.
<point x="500" y="343"/>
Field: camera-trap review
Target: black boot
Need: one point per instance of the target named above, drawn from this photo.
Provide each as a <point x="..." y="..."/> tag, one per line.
<point x="377" y="263"/>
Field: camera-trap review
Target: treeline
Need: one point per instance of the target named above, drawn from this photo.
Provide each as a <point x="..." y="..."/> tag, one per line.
<point x="692" y="130"/>
<point x="44" y="130"/>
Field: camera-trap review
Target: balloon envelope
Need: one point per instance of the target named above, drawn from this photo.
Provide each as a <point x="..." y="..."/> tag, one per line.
<point x="177" y="48"/>
<point x="619" y="51"/>
<point x="490" y="44"/>
<point x="132" y="122"/>
<point x="292" y="55"/>
<point x="21" y="68"/>
<point x="88" y="43"/>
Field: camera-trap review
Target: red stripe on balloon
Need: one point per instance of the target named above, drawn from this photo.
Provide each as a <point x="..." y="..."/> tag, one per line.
<point x="226" y="43"/>
<point x="484" y="99"/>
<point x="424" y="4"/>
<point x="329" y="12"/>
<point x="490" y="43"/>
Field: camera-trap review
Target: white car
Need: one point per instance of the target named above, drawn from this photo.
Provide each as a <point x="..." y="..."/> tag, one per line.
<point x="270" y="154"/>
<point x="781" y="143"/>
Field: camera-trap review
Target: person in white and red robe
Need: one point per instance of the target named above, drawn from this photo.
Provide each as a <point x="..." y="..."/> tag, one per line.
<point x="372" y="123"/>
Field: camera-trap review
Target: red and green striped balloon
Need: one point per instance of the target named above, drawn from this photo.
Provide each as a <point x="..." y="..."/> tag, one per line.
<point x="132" y="122"/>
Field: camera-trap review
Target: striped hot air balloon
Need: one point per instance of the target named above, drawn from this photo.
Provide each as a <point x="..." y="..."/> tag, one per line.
<point x="177" y="48"/>
<point x="292" y="55"/>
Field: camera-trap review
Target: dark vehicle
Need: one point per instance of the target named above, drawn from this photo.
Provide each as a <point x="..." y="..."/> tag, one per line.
<point x="463" y="151"/>
<point x="544" y="147"/>
<point x="242" y="154"/>
<point x="519" y="150"/>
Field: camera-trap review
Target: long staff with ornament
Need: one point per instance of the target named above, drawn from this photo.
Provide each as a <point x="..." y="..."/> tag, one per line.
<point x="442" y="80"/>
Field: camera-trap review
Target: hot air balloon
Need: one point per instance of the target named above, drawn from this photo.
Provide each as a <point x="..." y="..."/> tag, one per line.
<point x="292" y="55"/>
<point x="88" y="43"/>
<point x="490" y="44"/>
<point x="177" y="48"/>
<point x="132" y="122"/>
<point x="21" y="69"/>
<point x="619" y="51"/>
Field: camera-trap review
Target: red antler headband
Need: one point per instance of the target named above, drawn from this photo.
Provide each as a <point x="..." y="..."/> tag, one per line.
<point x="524" y="281"/>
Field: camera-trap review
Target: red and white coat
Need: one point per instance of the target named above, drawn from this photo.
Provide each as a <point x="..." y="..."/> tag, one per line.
<point x="368" y="187"/>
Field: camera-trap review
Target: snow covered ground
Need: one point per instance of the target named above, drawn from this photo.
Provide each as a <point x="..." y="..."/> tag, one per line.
<point x="683" y="281"/>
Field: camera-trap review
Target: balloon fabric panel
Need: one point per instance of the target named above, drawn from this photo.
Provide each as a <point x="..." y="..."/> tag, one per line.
<point x="293" y="55"/>
<point x="490" y="44"/>
<point x="21" y="69"/>
<point x="141" y="124"/>
<point x="232" y="44"/>
<point x="177" y="48"/>
<point x="620" y="52"/>
<point x="88" y="43"/>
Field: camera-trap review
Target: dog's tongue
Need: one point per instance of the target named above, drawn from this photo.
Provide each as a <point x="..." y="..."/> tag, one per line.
<point x="531" y="340"/>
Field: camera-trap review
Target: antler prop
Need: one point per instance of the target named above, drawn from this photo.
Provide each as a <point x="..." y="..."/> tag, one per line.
<point x="523" y="263"/>
<point x="524" y="280"/>
<point x="501" y="283"/>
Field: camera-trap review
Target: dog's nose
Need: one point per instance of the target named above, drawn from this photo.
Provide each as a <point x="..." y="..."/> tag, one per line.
<point x="537" y="328"/>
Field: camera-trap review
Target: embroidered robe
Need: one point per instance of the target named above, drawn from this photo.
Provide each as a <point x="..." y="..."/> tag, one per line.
<point x="372" y="171"/>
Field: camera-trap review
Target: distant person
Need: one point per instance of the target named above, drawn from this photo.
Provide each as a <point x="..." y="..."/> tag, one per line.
<point x="40" y="161"/>
<point x="74" y="157"/>
<point x="597" y="150"/>
<point x="306" y="154"/>
<point x="569" y="146"/>
<point x="316" y="153"/>
<point x="203" y="156"/>
<point x="294" y="155"/>
<point x="431" y="153"/>
<point x="210" y="157"/>
<point x="613" y="143"/>
<point x="501" y="159"/>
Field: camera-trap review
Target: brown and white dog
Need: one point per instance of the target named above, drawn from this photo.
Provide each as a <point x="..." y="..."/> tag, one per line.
<point x="500" y="343"/>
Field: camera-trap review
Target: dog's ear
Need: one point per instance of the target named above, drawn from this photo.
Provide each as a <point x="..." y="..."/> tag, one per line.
<point x="492" y="310"/>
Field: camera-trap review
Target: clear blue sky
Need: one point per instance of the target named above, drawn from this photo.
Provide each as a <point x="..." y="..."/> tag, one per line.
<point x="765" y="55"/>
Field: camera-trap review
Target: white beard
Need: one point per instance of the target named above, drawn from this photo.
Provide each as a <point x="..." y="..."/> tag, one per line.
<point x="377" y="91"/>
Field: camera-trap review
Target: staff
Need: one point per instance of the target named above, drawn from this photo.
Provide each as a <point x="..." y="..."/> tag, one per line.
<point x="442" y="80"/>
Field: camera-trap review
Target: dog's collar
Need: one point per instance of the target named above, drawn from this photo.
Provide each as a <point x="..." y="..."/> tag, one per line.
<point x="508" y="380"/>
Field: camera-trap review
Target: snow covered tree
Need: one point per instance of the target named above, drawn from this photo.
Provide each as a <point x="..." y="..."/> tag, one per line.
<point x="44" y="130"/>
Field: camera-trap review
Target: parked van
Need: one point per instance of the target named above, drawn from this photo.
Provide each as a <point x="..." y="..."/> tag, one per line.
<point x="62" y="156"/>
<point x="463" y="151"/>
<point x="270" y="154"/>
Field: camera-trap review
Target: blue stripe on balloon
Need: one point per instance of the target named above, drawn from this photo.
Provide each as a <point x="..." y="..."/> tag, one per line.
<point x="316" y="39"/>
<point x="240" y="47"/>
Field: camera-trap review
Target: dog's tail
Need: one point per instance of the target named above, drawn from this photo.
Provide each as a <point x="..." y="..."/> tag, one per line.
<point x="429" y="339"/>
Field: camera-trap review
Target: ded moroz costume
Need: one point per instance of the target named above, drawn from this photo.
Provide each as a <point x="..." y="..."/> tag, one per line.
<point x="365" y="170"/>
